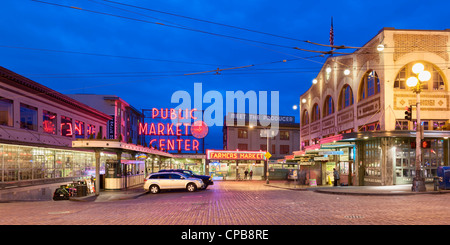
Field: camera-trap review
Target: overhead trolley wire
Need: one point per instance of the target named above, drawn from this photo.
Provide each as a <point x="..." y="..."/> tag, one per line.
<point x="162" y="24"/>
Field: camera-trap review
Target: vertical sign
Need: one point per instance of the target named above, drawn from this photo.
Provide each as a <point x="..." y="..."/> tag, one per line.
<point x="111" y="128"/>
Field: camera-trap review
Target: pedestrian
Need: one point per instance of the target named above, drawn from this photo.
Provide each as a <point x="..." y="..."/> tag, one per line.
<point x="251" y="174"/>
<point x="245" y="174"/>
<point x="336" y="177"/>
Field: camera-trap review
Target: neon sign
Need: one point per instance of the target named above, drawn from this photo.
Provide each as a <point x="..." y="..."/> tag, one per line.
<point x="235" y="155"/>
<point x="170" y="134"/>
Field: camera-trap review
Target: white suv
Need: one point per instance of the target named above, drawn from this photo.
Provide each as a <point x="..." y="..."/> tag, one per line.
<point x="159" y="181"/>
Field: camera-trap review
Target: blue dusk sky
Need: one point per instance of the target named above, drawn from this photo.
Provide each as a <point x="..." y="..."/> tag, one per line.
<point x="141" y="50"/>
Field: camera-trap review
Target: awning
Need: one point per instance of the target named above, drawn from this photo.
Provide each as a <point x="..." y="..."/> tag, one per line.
<point x="114" y="145"/>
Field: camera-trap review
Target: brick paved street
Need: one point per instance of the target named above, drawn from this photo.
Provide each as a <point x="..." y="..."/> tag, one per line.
<point x="236" y="203"/>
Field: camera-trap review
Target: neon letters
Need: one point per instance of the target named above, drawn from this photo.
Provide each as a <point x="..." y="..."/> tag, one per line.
<point x="170" y="129"/>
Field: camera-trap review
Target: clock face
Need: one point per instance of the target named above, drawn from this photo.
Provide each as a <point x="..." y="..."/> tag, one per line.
<point x="199" y="129"/>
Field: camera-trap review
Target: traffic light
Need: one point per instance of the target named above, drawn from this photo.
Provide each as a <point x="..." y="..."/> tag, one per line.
<point x="408" y="113"/>
<point x="426" y="144"/>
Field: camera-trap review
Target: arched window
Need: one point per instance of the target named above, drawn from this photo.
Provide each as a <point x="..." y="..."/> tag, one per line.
<point x="328" y="106"/>
<point x="305" y="118"/>
<point x="436" y="81"/>
<point x="315" y="115"/>
<point x="345" y="97"/>
<point x="370" y="85"/>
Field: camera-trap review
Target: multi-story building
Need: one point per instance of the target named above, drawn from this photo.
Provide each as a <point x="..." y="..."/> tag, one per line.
<point x="253" y="137"/>
<point x="48" y="139"/>
<point x="245" y="132"/>
<point x="37" y="127"/>
<point x="355" y="109"/>
<point x="125" y="120"/>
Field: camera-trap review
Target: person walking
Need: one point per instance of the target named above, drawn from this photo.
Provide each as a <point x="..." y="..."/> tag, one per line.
<point x="251" y="174"/>
<point x="245" y="174"/>
<point x="336" y="177"/>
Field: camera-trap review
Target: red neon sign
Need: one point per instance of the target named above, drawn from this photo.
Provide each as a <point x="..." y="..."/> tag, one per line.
<point x="173" y="113"/>
<point x="174" y="129"/>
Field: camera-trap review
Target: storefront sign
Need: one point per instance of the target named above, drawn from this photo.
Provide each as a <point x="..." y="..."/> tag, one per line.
<point x="111" y="126"/>
<point x="321" y="158"/>
<point x="331" y="153"/>
<point x="168" y="133"/>
<point x="257" y="117"/>
<point x="235" y="155"/>
<point x="306" y="163"/>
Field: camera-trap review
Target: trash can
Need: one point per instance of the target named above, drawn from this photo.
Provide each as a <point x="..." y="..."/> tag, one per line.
<point x="443" y="172"/>
<point x="81" y="190"/>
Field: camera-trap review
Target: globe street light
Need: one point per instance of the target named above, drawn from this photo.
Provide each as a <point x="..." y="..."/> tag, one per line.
<point x="415" y="83"/>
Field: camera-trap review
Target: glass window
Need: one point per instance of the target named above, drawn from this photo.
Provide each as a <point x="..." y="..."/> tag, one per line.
<point x="437" y="125"/>
<point x="49" y="122"/>
<point x="315" y="113"/>
<point x="436" y="81"/>
<point x="305" y="118"/>
<point x="263" y="147"/>
<point x="370" y="85"/>
<point x="242" y="147"/>
<point x="328" y="108"/>
<point x="284" y="149"/>
<point x="28" y="117"/>
<point x="66" y="126"/>
<point x="175" y="176"/>
<point x="242" y="134"/>
<point x="401" y="125"/>
<point x="284" y="135"/>
<point x="348" y="97"/>
<point x="79" y="129"/>
<point x="90" y="130"/>
<point x="6" y="112"/>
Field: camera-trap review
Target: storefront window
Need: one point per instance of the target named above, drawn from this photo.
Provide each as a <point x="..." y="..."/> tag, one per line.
<point x="22" y="163"/>
<point x="405" y="159"/>
<point x="437" y="125"/>
<point x="6" y="112"/>
<point x="90" y="130"/>
<point x="79" y="129"/>
<point x="28" y="117"/>
<point x="370" y="151"/>
<point x="49" y="122"/>
<point x="66" y="126"/>
<point x="401" y="125"/>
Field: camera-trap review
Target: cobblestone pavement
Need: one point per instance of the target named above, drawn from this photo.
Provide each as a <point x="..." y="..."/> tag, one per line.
<point x="235" y="203"/>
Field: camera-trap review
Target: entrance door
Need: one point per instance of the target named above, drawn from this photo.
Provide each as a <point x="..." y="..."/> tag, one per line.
<point x="404" y="161"/>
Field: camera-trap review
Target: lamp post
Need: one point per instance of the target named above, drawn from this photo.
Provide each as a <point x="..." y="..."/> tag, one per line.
<point x="267" y="150"/>
<point x="415" y="83"/>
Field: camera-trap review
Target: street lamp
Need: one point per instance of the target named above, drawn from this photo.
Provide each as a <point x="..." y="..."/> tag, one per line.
<point x="415" y="83"/>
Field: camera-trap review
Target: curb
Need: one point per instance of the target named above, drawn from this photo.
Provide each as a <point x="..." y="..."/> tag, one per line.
<point x="329" y="190"/>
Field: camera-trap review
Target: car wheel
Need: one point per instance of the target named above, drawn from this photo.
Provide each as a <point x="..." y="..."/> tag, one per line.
<point x="154" y="189"/>
<point x="191" y="187"/>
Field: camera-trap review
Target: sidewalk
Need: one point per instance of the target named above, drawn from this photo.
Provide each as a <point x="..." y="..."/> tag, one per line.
<point x="356" y="190"/>
<point x="137" y="191"/>
<point x="113" y="195"/>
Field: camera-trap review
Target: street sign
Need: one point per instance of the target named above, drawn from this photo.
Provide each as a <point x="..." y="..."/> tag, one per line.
<point x="268" y="155"/>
